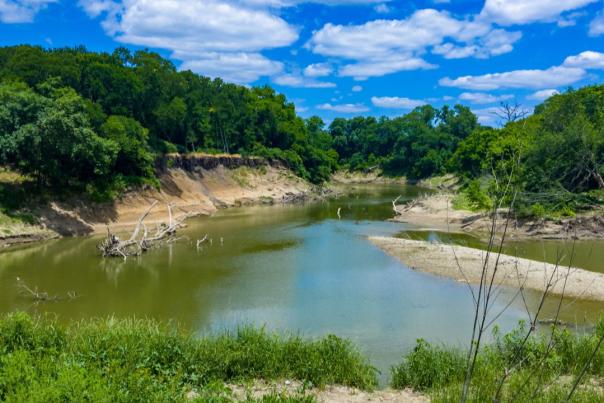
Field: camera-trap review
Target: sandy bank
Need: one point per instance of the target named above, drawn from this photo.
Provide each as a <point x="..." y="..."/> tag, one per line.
<point x="329" y="394"/>
<point x="440" y="259"/>
<point x="199" y="185"/>
<point x="436" y="212"/>
<point x="357" y="178"/>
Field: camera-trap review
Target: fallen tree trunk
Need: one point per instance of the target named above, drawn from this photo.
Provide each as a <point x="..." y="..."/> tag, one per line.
<point x="113" y="246"/>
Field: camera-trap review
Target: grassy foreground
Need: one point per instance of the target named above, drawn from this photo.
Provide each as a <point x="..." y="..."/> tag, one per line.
<point x="138" y="360"/>
<point x="542" y="369"/>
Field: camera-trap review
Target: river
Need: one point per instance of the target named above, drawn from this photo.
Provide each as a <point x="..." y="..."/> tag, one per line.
<point x="291" y="268"/>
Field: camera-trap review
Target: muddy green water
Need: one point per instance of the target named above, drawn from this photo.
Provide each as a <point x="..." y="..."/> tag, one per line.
<point x="289" y="268"/>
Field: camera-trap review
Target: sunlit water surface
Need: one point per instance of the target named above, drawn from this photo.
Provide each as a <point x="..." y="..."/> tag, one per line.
<point x="295" y="268"/>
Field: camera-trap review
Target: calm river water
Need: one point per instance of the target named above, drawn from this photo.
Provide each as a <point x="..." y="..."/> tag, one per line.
<point x="293" y="268"/>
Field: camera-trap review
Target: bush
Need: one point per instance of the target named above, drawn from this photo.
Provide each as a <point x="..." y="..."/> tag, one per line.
<point x="136" y="360"/>
<point x="544" y="368"/>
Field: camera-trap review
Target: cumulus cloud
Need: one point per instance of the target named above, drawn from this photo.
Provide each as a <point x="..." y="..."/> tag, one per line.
<point x="586" y="60"/>
<point x="235" y="67"/>
<point x="596" y="26"/>
<point x="21" y="11"/>
<point x="298" y="81"/>
<point x="357" y="88"/>
<point x="542" y="95"/>
<point x="381" y="47"/>
<point x="396" y="102"/>
<point x="344" y="108"/>
<point x="483" y="98"/>
<point x="488" y="116"/>
<point x="379" y="67"/>
<point x="382" y="8"/>
<point x="318" y="70"/>
<point x="514" y="12"/>
<point x="213" y="37"/>
<point x="557" y="76"/>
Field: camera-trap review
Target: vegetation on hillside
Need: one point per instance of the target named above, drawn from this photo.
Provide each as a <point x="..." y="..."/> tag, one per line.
<point x="76" y="120"/>
<point x="133" y="360"/>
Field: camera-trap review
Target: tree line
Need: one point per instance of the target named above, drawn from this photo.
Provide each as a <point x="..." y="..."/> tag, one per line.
<point x="73" y="119"/>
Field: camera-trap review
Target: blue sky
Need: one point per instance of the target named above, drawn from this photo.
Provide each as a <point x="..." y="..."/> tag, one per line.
<point x="345" y="57"/>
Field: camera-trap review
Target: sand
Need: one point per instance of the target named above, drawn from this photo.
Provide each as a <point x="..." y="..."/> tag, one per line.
<point x="446" y="260"/>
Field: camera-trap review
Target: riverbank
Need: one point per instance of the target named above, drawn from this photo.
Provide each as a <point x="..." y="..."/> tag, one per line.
<point x="437" y="212"/>
<point x="119" y="360"/>
<point x="466" y="264"/>
<point x="194" y="185"/>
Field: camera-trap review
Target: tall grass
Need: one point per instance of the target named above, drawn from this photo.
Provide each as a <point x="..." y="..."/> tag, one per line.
<point x="141" y="360"/>
<point x="549" y="364"/>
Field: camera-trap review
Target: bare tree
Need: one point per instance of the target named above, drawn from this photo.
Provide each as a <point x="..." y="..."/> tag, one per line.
<point x="510" y="112"/>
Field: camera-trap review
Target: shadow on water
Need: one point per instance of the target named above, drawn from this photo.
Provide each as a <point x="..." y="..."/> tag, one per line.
<point x="290" y="268"/>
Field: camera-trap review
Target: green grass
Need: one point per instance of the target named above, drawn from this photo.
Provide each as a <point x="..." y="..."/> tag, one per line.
<point x="542" y="376"/>
<point x="141" y="360"/>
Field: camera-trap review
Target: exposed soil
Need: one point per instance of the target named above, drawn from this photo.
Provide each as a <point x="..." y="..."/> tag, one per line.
<point x="466" y="265"/>
<point x="329" y="394"/>
<point x="436" y="212"/>
<point x="372" y="177"/>
<point x="195" y="185"/>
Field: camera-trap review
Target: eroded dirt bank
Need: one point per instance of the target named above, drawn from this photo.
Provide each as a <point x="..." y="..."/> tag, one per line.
<point x="466" y="265"/>
<point x="435" y="212"/>
<point x="194" y="185"/>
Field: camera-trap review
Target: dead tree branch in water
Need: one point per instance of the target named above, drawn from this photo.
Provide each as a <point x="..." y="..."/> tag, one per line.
<point x="41" y="296"/>
<point x="112" y="246"/>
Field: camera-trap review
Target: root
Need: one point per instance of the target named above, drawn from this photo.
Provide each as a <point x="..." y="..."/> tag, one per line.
<point x="112" y="246"/>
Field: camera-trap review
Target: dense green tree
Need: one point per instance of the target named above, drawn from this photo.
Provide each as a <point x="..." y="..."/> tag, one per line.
<point x="134" y="158"/>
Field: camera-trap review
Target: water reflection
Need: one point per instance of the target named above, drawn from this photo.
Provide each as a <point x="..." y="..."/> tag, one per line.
<point x="291" y="268"/>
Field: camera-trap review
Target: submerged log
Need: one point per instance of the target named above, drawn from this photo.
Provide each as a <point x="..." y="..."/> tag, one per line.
<point x="113" y="246"/>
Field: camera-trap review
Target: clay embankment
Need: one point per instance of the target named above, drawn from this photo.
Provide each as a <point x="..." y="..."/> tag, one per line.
<point x="196" y="184"/>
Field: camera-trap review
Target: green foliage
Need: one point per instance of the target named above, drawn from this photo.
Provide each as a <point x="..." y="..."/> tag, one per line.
<point x="418" y="145"/>
<point x="139" y="100"/>
<point x="428" y="367"/>
<point x="132" y="360"/>
<point x="541" y="368"/>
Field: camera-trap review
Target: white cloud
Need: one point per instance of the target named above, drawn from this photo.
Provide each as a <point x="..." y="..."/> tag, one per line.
<point x="396" y="102"/>
<point x="557" y="76"/>
<point x="298" y="81"/>
<point x="570" y="20"/>
<point x="496" y="42"/>
<point x="483" y="98"/>
<point x="212" y="37"/>
<point x="381" y="47"/>
<point x="382" y="8"/>
<point x="596" y="26"/>
<point x="344" y="108"/>
<point x="488" y="116"/>
<point x="357" y="88"/>
<point x="542" y="95"/>
<point x="379" y="67"/>
<point x="318" y="70"/>
<point x="511" y="12"/>
<point x="586" y="60"/>
<point x="234" y="67"/>
<point x="20" y="11"/>
<point x="291" y="3"/>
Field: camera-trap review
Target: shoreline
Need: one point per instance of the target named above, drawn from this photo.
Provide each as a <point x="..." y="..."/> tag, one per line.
<point x="435" y="212"/>
<point x="440" y="259"/>
<point x="192" y="191"/>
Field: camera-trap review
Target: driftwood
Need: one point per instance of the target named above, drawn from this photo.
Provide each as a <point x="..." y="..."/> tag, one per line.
<point x="41" y="296"/>
<point x="113" y="246"/>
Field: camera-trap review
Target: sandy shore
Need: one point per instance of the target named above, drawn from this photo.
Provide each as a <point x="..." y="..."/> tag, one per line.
<point x="440" y="259"/>
<point x="435" y="212"/>
<point x="329" y="394"/>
